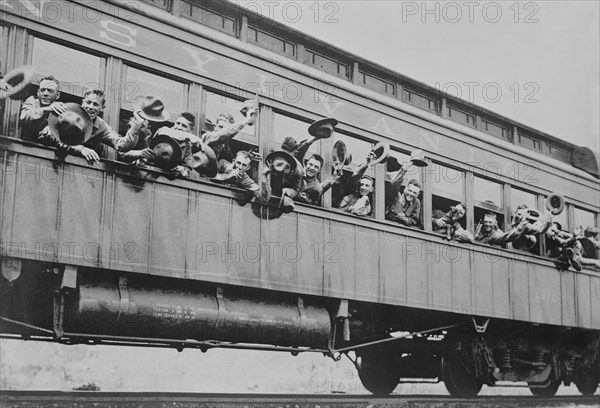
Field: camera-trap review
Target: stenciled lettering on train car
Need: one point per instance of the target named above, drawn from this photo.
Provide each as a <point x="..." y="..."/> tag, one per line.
<point x="118" y="33"/>
<point x="326" y="95"/>
<point x="200" y="58"/>
<point x="381" y="126"/>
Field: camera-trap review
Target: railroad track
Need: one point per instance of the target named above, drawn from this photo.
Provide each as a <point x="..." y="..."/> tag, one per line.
<point x="81" y="399"/>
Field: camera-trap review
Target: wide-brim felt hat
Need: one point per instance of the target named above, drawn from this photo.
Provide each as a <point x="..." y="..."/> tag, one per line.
<point x="417" y="158"/>
<point x="250" y="103"/>
<point x="205" y="161"/>
<point x="382" y="152"/>
<point x="392" y="164"/>
<point x="18" y="78"/>
<point x="556" y="203"/>
<point x="286" y="204"/>
<point x="151" y="108"/>
<point x="284" y="155"/>
<point x="339" y="150"/>
<point x="163" y="136"/>
<point x="73" y="127"/>
<point x="323" y="128"/>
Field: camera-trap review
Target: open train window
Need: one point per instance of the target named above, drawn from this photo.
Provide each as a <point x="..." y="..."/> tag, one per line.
<point x="359" y="149"/>
<point x="139" y="84"/>
<point x="284" y="126"/>
<point x="487" y="197"/>
<point x="412" y="172"/>
<point x="75" y="70"/>
<point x="518" y="198"/>
<point x="221" y="109"/>
<point x="447" y="190"/>
<point x="562" y="220"/>
<point x="583" y="218"/>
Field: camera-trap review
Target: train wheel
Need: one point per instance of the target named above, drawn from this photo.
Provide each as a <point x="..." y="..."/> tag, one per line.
<point x="458" y="379"/>
<point x="547" y="391"/>
<point x="378" y="373"/>
<point x="586" y="386"/>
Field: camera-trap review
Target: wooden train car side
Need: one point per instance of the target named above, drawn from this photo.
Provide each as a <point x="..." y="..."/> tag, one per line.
<point x="105" y="218"/>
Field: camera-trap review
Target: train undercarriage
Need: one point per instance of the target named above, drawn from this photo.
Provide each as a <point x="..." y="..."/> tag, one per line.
<point x="388" y="344"/>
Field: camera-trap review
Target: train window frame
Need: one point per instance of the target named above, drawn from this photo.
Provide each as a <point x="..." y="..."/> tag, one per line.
<point x="243" y="140"/>
<point x="173" y="113"/>
<point x="207" y="122"/>
<point x="339" y="191"/>
<point x="70" y="91"/>
<point x="413" y="172"/>
<point x="577" y="220"/>
<point x="511" y="207"/>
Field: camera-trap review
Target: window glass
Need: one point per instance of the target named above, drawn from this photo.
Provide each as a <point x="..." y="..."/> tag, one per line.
<point x="518" y="197"/>
<point x="413" y="172"/>
<point x="217" y="104"/>
<point x="488" y="193"/>
<point x="488" y="198"/>
<point x="447" y="190"/>
<point x="140" y="84"/>
<point x="583" y="218"/>
<point x="446" y="181"/>
<point x="75" y="70"/>
<point x="285" y="126"/>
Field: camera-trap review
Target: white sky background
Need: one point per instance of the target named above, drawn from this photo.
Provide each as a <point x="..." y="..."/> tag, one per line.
<point x="544" y="55"/>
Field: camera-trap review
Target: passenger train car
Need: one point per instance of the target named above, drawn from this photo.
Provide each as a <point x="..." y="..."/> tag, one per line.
<point x="116" y="254"/>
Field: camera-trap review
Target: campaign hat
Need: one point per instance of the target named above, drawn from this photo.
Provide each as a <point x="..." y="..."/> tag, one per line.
<point x="17" y="78"/>
<point x="284" y="155"/>
<point x="167" y="151"/>
<point x="151" y="108"/>
<point x="323" y="128"/>
<point x="72" y="127"/>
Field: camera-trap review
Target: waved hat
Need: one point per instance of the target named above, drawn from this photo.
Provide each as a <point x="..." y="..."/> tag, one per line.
<point x="151" y="108"/>
<point x="167" y="152"/>
<point x="340" y="152"/>
<point x="250" y="103"/>
<point x="286" y="204"/>
<point x="16" y="79"/>
<point x="382" y="152"/>
<point x="205" y="161"/>
<point x="392" y="164"/>
<point x="73" y="127"/>
<point x="285" y="156"/>
<point x="322" y="129"/>
<point x="417" y="158"/>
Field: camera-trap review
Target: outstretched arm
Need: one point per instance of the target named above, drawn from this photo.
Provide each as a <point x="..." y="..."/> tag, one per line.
<point x="396" y="183"/>
<point x="218" y="137"/>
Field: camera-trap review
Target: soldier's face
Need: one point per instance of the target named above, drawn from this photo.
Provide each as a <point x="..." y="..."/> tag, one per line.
<point x="365" y="187"/>
<point x="183" y="124"/>
<point x="488" y="224"/>
<point x="312" y="168"/>
<point x="48" y="92"/>
<point x="411" y="192"/>
<point x="93" y="104"/>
